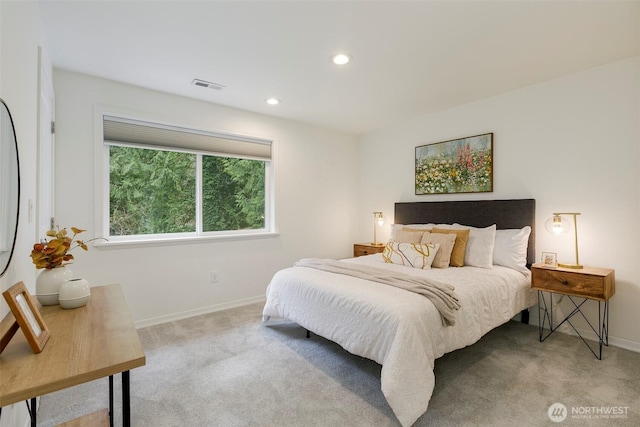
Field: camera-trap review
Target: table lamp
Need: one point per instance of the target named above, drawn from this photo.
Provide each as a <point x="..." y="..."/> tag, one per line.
<point x="561" y="225"/>
<point x="378" y="220"/>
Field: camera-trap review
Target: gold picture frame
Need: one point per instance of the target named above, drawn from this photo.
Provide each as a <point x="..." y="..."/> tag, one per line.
<point x="27" y="315"/>
<point x="549" y="259"/>
<point x="463" y="165"/>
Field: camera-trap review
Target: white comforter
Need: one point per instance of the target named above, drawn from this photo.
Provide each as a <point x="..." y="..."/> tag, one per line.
<point x="399" y="329"/>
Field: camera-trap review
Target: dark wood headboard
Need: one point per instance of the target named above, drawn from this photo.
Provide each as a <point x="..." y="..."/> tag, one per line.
<point x="505" y="214"/>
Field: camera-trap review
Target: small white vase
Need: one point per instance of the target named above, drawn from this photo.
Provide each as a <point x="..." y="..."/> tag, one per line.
<point x="74" y="293"/>
<point x="48" y="284"/>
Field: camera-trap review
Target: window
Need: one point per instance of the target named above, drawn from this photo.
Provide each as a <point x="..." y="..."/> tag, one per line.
<point x="166" y="182"/>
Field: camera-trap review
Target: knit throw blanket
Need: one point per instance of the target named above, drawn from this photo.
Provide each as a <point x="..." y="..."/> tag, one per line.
<point x="442" y="295"/>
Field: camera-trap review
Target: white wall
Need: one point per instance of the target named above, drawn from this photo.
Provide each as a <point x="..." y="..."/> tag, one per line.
<point x="317" y="174"/>
<point x="571" y="143"/>
<point x="21" y="35"/>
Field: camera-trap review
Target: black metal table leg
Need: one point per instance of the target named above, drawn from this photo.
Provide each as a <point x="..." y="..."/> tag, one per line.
<point x="126" y="403"/>
<point x="110" y="400"/>
<point x="126" y="400"/>
<point x="32" y="412"/>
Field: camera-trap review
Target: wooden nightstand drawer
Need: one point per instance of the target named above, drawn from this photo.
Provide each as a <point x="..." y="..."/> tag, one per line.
<point x="593" y="283"/>
<point x="360" y="249"/>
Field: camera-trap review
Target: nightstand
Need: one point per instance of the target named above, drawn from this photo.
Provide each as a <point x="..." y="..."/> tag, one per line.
<point x="584" y="284"/>
<point x="360" y="249"/>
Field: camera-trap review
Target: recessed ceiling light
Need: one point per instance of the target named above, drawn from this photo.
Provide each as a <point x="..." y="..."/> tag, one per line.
<point x="341" y="58"/>
<point x="273" y="101"/>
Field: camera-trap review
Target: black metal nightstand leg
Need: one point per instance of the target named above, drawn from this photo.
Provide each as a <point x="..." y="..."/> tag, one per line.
<point x="545" y="313"/>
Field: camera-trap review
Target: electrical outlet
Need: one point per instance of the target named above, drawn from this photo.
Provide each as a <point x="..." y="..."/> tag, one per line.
<point x="215" y="278"/>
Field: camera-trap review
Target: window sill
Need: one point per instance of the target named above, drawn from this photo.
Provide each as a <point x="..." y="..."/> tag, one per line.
<point x="190" y="240"/>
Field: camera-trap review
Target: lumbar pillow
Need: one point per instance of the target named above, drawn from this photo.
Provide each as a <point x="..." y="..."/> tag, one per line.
<point x="460" y="245"/>
<point x="416" y="255"/>
<point x="511" y="246"/>
<point x="479" y="250"/>
<point x="446" y="242"/>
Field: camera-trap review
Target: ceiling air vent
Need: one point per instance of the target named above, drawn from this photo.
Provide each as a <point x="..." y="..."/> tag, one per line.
<point x="210" y="85"/>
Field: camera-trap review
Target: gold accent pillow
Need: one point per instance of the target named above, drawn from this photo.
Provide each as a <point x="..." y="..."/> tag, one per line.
<point x="416" y="255"/>
<point x="446" y="242"/>
<point x="460" y="245"/>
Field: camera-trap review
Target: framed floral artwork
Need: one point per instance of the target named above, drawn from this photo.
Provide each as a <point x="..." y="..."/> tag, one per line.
<point x="462" y="165"/>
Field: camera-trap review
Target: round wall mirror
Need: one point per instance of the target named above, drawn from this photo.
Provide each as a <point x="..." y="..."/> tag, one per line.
<point x="9" y="187"/>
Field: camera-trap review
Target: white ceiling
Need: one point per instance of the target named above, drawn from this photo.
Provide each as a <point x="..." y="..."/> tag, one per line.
<point x="409" y="57"/>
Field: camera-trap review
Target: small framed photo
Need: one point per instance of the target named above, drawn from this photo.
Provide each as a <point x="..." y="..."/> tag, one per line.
<point x="549" y="259"/>
<point x="27" y="315"/>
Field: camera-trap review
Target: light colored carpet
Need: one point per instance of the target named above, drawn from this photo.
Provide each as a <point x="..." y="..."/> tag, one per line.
<point x="228" y="369"/>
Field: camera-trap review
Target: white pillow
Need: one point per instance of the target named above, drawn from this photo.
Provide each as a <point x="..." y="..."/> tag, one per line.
<point x="394" y="227"/>
<point x="479" y="250"/>
<point x="511" y="248"/>
<point x="416" y="255"/>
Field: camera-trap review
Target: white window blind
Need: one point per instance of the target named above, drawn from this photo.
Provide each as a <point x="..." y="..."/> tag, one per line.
<point x="135" y="132"/>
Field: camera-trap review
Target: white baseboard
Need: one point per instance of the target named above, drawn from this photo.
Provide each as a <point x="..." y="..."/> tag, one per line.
<point x="197" y="312"/>
<point x="626" y="344"/>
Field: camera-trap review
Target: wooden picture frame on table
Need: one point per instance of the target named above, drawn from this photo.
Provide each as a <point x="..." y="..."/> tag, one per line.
<point x="27" y="316"/>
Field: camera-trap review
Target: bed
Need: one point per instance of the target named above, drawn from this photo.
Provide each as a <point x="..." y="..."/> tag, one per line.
<point x="404" y="331"/>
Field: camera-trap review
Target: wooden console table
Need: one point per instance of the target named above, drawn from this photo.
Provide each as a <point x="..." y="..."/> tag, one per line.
<point x="87" y="343"/>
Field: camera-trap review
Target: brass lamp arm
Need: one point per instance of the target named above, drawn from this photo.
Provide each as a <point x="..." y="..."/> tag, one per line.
<point x="575" y="234"/>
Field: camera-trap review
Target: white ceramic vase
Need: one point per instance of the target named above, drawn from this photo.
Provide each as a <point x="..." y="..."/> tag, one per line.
<point x="48" y="284"/>
<point x="74" y="293"/>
